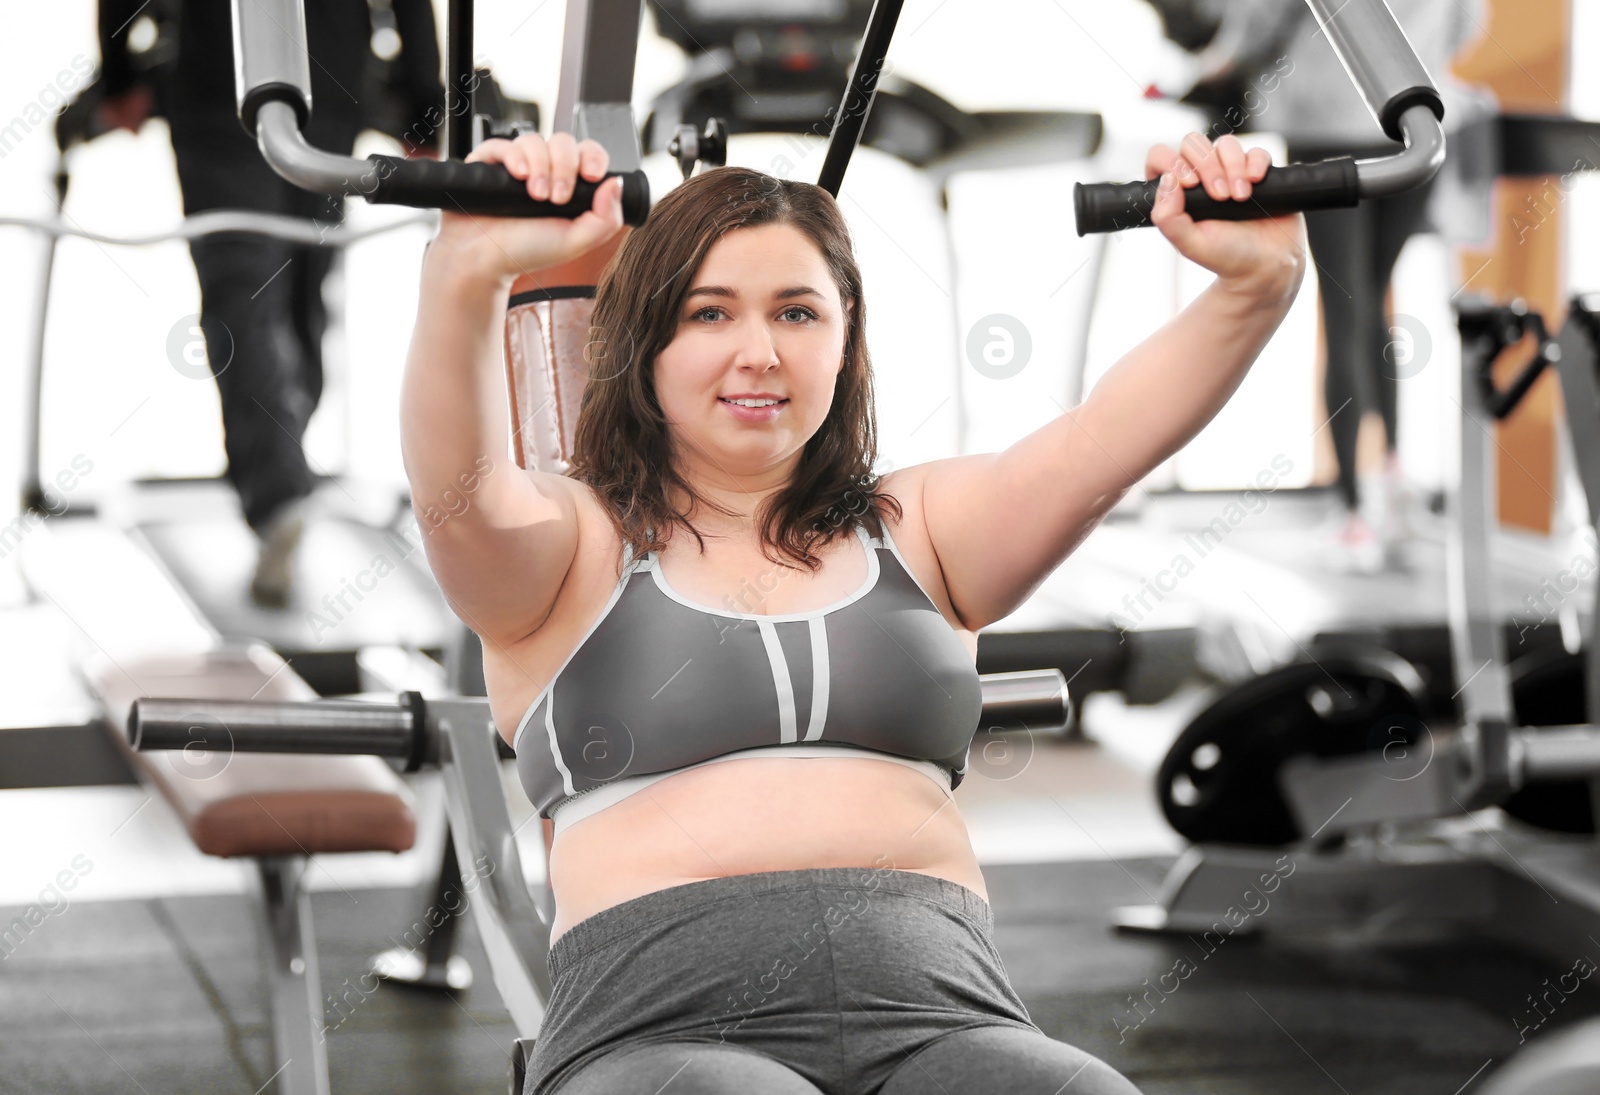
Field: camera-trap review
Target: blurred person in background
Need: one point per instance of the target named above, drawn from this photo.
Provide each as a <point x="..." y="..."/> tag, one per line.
<point x="262" y="310"/>
<point x="1266" y="66"/>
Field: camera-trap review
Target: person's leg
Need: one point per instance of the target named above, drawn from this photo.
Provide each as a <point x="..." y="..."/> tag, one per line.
<point x="246" y="290"/>
<point x="311" y="268"/>
<point x="926" y="1004"/>
<point x="1394" y="221"/>
<point x="247" y="294"/>
<point x="728" y="980"/>
<point x="1009" y="1059"/>
<point x="326" y="212"/>
<point x="687" y="1068"/>
<point x="1338" y="242"/>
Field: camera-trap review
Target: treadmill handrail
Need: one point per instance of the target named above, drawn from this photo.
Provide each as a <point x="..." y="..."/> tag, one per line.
<point x="215" y="221"/>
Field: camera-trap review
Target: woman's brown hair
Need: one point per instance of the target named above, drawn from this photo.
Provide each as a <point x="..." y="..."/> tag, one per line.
<point x="621" y="446"/>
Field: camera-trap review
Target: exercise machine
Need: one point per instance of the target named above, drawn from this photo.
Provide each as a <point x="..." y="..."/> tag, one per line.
<point x="185" y="536"/>
<point x="274" y="104"/>
<point x="136" y="592"/>
<point x="457" y="736"/>
<point x="1389" y="835"/>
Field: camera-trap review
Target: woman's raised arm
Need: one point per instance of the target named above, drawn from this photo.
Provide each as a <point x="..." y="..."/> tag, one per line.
<point x="1002" y="522"/>
<point x="498" y="538"/>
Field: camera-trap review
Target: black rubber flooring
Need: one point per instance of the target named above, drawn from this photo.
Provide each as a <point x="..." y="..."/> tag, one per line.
<point x="166" y="996"/>
<point x="1257" y="1017"/>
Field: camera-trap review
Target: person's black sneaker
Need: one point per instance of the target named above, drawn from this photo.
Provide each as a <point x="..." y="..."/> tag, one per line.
<point x="279" y="537"/>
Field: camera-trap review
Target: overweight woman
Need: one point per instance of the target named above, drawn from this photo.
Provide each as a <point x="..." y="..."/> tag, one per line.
<point x="737" y="666"/>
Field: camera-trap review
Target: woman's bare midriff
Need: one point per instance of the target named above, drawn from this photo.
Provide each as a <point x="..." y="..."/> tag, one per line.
<point x="742" y="816"/>
<point x="757" y="814"/>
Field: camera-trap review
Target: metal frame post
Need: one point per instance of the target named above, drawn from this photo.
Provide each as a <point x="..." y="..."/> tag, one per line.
<point x="851" y="120"/>
<point x="293" y="978"/>
<point x="460" y="76"/>
<point x="510" y="924"/>
<point x="1477" y="643"/>
<point x="599" y="50"/>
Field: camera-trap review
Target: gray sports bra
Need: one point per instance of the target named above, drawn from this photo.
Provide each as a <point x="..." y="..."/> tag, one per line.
<point x="661" y="684"/>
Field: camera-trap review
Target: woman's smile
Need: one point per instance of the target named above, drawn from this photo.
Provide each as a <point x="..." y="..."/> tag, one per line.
<point x="754" y="413"/>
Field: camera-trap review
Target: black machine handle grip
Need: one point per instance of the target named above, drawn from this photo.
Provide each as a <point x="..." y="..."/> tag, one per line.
<point x="1290" y="188"/>
<point x="1546" y="352"/>
<point x="490" y="190"/>
<point x="1504" y="400"/>
<point x="1486" y="330"/>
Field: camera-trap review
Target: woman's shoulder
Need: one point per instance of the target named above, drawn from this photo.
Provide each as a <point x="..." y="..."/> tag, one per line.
<point x="904" y="485"/>
<point x="911" y="541"/>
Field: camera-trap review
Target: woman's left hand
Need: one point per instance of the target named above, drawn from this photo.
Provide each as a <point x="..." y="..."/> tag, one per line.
<point x="1268" y="254"/>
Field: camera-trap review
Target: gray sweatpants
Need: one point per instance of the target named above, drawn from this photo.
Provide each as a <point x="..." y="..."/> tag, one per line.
<point x="844" y="981"/>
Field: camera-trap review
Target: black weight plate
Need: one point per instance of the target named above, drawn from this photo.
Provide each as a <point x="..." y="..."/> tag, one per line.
<point x="1218" y="782"/>
<point x="1547" y="689"/>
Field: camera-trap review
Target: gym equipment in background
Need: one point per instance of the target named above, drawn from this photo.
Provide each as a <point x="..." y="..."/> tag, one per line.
<point x="1394" y="836"/>
<point x="1396" y="88"/>
<point x="148" y="602"/>
<point x="274" y="102"/>
<point x="1219" y="780"/>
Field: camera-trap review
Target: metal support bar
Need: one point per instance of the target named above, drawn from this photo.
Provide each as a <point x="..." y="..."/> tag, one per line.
<point x="1552" y="753"/>
<point x="1516" y="887"/>
<point x="1031" y="698"/>
<point x="1374" y="50"/>
<point x="270" y="61"/>
<point x="287" y="152"/>
<point x="296" y="987"/>
<point x="516" y="938"/>
<point x="461" y="76"/>
<point x="1421" y="160"/>
<point x="33" y="495"/>
<point x="1477" y="640"/>
<point x="437" y="966"/>
<point x="595" y="100"/>
<point x="1215" y="892"/>
<point x="1333" y="795"/>
<point x="463" y="664"/>
<point x="1580" y="394"/>
<point x="858" y="94"/>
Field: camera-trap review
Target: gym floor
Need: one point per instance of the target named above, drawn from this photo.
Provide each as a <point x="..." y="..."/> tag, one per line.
<point x="129" y="989"/>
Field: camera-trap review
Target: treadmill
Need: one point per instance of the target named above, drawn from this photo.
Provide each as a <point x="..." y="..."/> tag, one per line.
<point x="177" y="549"/>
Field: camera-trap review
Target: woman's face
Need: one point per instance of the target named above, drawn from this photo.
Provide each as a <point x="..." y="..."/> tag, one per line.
<point x="763" y="318"/>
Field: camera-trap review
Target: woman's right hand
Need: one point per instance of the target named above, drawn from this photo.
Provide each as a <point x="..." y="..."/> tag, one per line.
<point x="511" y="246"/>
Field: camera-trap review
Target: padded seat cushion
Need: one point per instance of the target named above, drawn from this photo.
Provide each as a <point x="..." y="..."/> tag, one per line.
<point x="255" y="804"/>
